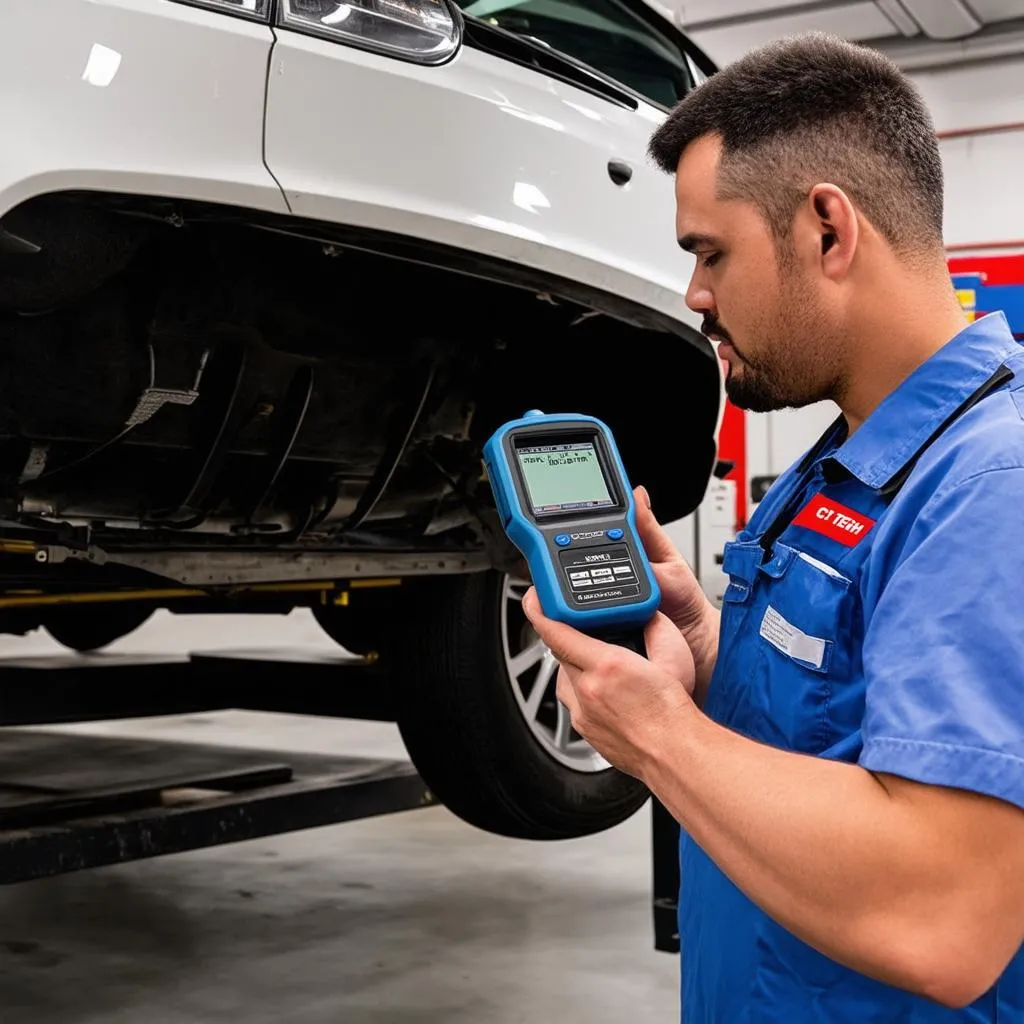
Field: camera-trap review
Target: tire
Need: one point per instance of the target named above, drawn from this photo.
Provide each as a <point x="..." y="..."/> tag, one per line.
<point x="367" y="625"/>
<point x="465" y="726"/>
<point x="84" y="628"/>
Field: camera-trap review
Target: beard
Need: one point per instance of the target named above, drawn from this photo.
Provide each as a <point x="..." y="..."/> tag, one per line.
<point x="790" y="370"/>
<point x="760" y="389"/>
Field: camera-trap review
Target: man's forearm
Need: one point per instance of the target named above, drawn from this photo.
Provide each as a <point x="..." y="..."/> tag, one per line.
<point x="820" y="846"/>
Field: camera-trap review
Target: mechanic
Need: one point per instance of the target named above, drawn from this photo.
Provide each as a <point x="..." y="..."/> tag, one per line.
<point x="843" y="746"/>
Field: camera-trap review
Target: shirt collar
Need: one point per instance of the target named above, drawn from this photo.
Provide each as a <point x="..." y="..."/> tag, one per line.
<point x="890" y="437"/>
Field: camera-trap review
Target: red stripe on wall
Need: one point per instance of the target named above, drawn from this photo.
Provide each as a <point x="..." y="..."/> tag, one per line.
<point x="998" y="270"/>
<point x="732" y="447"/>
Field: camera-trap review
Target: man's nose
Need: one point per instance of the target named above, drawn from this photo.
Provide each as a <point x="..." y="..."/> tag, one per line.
<point x="699" y="297"/>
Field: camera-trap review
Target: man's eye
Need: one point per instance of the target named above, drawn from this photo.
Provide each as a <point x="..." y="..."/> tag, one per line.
<point x="710" y="259"/>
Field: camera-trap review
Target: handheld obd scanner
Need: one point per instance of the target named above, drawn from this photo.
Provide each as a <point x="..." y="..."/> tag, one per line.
<point x="566" y="503"/>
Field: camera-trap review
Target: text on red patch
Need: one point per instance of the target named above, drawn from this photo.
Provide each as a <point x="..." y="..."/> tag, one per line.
<point x="834" y="520"/>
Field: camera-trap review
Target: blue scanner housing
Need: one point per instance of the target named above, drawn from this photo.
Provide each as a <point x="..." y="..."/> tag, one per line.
<point x="580" y="540"/>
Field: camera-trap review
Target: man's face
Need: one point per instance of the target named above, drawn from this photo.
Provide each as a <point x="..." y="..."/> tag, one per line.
<point x="762" y="304"/>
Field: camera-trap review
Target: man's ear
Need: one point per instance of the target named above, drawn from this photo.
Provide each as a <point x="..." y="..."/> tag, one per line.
<point x="835" y="221"/>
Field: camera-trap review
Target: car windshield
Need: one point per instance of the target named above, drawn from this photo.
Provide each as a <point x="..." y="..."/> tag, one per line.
<point x="603" y="34"/>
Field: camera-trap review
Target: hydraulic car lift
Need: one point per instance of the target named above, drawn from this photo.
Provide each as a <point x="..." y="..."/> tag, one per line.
<point x="70" y="801"/>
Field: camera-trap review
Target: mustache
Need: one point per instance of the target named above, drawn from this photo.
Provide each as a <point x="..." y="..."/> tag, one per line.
<point x="712" y="325"/>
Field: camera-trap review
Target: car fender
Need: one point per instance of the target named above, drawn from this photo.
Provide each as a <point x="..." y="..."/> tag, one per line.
<point x="482" y="155"/>
<point x="133" y="96"/>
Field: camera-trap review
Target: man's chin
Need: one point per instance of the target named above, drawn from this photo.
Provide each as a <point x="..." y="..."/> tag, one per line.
<point x="749" y="396"/>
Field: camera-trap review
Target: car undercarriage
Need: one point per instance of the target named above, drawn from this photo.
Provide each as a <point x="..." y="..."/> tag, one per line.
<point x="215" y="397"/>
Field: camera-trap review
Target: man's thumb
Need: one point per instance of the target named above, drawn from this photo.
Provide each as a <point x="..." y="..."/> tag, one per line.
<point x="655" y="539"/>
<point x="568" y="645"/>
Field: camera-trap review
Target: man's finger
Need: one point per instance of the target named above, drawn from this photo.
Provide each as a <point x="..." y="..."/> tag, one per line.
<point x="565" y="692"/>
<point x="568" y="645"/>
<point x="656" y="628"/>
<point x="656" y="541"/>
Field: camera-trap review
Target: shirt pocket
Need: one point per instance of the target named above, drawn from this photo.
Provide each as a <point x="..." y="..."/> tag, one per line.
<point x="799" y="623"/>
<point x="805" y="616"/>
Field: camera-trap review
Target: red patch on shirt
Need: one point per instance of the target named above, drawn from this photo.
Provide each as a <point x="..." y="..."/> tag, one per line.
<point x="835" y="521"/>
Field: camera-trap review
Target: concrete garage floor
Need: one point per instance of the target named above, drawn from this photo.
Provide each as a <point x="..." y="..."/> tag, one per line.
<point x="413" y="918"/>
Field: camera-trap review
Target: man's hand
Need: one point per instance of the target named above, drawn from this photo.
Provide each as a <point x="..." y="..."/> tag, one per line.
<point x="626" y="706"/>
<point x="682" y="598"/>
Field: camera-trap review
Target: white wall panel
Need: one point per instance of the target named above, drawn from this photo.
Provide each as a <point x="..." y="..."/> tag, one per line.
<point x="692" y="12"/>
<point x="984" y="196"/>
<point x="974" y="94"/>
<point x="997" y="10"/>
<point x="984" y="190"/>
<point x="729" y="42"/>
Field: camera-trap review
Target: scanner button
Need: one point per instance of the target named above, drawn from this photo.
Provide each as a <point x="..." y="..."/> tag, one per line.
<point x="563" y="540"/>
<point x="615" y="534"/>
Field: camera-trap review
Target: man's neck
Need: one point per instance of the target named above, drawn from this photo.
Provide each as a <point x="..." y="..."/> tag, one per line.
<point x="902" y="329"/>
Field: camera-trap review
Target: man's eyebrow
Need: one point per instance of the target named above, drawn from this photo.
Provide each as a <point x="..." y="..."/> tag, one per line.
<point x="691" y="242"/>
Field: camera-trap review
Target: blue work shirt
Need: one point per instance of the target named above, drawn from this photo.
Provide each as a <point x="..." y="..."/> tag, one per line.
<point x="882" y="626"/>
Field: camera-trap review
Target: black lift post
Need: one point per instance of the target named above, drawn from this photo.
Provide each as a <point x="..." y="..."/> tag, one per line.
<point x="665" y="877"/>
<point x="71" y="801"/>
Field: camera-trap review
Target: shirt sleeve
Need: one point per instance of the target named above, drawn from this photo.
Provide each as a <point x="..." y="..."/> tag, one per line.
<point x="944" y="651"/>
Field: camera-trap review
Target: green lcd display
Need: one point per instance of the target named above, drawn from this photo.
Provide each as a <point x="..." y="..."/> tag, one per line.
<point x="564" y="477"/>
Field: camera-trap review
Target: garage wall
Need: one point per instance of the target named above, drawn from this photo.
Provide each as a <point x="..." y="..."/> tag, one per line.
<point x="979" y="114"/>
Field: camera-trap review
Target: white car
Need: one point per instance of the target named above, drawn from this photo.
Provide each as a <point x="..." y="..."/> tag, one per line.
<point x="271" y="271"/>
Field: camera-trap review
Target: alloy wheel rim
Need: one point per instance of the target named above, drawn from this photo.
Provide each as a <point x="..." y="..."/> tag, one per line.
<point x="532" y="673"/>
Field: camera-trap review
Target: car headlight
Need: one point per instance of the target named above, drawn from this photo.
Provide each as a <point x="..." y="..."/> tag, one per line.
<point x="426" y="31"/>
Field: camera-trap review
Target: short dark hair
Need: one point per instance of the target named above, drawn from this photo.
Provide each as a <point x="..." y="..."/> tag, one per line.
<point x="816" y="108"/>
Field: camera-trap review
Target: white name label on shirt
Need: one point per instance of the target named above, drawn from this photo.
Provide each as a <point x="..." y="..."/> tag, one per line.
<point x="790" y="640"/>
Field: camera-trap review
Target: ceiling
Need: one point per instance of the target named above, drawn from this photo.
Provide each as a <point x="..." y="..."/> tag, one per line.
<point x="917" y="33"/>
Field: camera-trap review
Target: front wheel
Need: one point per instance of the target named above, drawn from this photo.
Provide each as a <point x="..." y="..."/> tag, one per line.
<point x="475" y="693"/>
